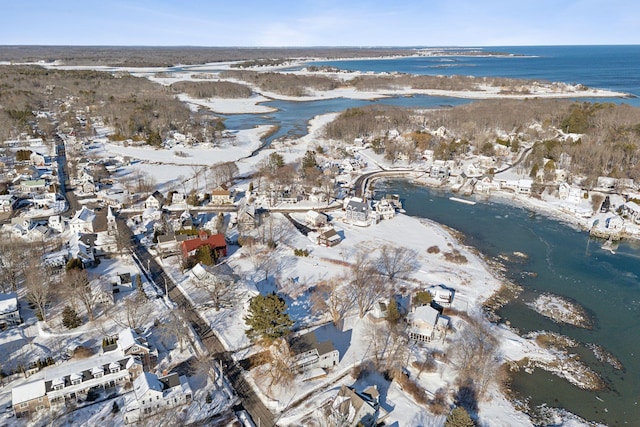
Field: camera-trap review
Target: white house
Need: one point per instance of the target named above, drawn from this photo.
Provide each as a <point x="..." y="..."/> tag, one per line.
<point x="310" y="354"/>
<point x="154" y="201"/>
<point x="7" y="202"/>
<point x="71" y="381"/>
<point x="9" y="314"/>
<point x="426" y="323"/>
<point x="441" y="295"/>
<point x="154" y="395"/>
<point x="315" y="219"/>
<point x="55" y="223"/>
<point x="632" y="211"/>
<point x="82" y="221"/>
<point x="384" y="209"/>
<point x="221" y="196"/>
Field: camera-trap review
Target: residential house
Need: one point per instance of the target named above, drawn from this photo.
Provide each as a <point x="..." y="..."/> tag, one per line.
<point x="72" y="381"/>
<point x="315" y="219"/>
<point x="328" y="237"/>
<point x="55" y="223"/>
<point x="384" y="209"/>
<point x="221" y="196"/>
<point x="82" y="221"/>
<point x="31" y="186"/>
<point x="310" y="354"/>
<point x="351" y="409"/>
<point x="426" y="323"/>
<point x="178" y="198"/>
<point x="357" y="211"/>
<point x="154" y="201"/>
<point x="37" y="159"/>
<point x="132" y="344"/>
<point x="85" y="252"/>
<point x="247" y="218"/>
<point x="7" y="202"/>
<point x="439" y="170"/>
<point x="9" y="313"/>
<point x="170" y="243"/>
<point x="216" y="243"/>
<point x="155" y="394"/>
<point x="570" y="193"/>
<point x="441" y="295"/>
<point x="632" y="211"/>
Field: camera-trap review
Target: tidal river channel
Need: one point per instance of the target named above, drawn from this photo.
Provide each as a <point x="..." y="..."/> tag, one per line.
<point x="566" y="263"/>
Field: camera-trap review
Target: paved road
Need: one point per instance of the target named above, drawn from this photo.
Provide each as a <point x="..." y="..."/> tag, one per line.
<point x="250" y="401"/>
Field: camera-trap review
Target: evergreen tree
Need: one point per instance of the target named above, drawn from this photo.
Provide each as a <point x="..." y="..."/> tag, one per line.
<point x="70" y="318"/>
<point x="393" y="314"/>
<point x="459" y="417"/>
<point x="115" y="408"/>
<point x="74" y="263"/>
<point x="205" y="255"/>
<point x="422" y="298"/>
<point x="267" y="318"/>
<point x="309" y="160"/>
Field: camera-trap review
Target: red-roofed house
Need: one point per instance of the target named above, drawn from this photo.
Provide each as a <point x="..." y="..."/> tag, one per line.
<point x="216" y="242"/>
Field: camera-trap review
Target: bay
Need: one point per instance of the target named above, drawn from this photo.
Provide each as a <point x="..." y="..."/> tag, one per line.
<point x="568" y="264"/>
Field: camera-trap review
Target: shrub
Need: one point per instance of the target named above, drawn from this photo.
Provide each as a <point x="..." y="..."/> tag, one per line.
<point x="433" y="250"/>
<point x="459" y="417"/>
<point x="301" y="252"/>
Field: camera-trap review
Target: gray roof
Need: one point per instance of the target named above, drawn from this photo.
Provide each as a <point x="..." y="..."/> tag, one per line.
<point x="303" y="343"/>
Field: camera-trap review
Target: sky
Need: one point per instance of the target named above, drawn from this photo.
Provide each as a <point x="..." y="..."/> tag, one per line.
<point x="319" y="22"/>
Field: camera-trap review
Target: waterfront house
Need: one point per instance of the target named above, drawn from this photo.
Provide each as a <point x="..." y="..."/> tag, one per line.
<point x="357" y="211"/>
<point x="426" y="323"/>
<point x="221" y="196"/>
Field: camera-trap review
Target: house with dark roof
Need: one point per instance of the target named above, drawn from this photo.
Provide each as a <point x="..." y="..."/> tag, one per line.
<point x="154" y="201"/>
<point x="216" y="243"/>
<point x="357" y="211"/>
<point x="309" y="353"/>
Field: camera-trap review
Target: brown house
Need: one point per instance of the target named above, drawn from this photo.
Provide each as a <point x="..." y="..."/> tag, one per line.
<point x="216" y="243"/>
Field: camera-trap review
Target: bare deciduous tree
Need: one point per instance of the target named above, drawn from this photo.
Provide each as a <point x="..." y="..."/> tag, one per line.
<point x="12" y="262"/>
<point x="474" y="353"/>
<point x="221" y="289"/>
<point x="330" y="297"/>
<point x="365" y="283"/>
<point x="275" y="363"/>
<point x="395" y="260"/>
<point x="39" y="289"/>
<point x="133" y="313"/>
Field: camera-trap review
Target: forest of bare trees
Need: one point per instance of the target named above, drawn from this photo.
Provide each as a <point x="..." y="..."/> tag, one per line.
<point x="603" y="139"/>
<point x="134" y="106"/>
<point x="139" y="56"/>
<point x="284" y="84"/>
<point x="212" y="89"/>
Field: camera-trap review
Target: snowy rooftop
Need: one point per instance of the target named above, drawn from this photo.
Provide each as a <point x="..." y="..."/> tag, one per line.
<point x="8" y="303"/>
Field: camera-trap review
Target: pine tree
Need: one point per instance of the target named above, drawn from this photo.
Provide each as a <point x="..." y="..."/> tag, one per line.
<point x="205" y="255"/>
<point x="459" y="417"/>
<point x="393" y="314"/>
<point x="70" y="318"/>
<point x="267" y="318"/>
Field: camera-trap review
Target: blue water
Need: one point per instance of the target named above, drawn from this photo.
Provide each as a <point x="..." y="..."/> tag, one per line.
<point x="605" y="67"/>
<point x="567" y="263"/>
